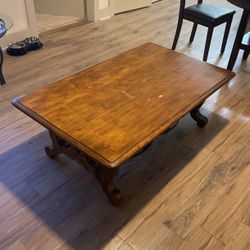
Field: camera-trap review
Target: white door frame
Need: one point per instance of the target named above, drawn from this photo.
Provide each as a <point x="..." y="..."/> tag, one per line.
<point x="32" y="22"/>
<point x="95" y="13"/>
<point x="91" y="9"/>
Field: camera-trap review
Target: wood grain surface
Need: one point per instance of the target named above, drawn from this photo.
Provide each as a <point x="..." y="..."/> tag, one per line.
<point x="113" y="109"/>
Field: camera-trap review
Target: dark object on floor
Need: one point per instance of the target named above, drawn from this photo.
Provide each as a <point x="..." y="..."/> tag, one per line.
<point x="17" y="49"/>
<point x="205" y="15"/>
<point x="33" y="43"/>
<point x="241" y="41"/>
<point x="21" y="48"/>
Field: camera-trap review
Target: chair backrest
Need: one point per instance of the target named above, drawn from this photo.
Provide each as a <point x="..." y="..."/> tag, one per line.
<point x="183" y="3"/>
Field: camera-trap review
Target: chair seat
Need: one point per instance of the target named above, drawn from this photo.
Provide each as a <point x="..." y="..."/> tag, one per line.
<point x="208" y="12"/>
<point x="246" y="41"/>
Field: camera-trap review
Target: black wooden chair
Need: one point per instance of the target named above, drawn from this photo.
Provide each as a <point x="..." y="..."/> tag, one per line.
<point x="205" y="15"/>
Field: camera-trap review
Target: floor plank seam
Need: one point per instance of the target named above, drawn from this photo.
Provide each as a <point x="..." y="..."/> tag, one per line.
<point x="214" y="236"/>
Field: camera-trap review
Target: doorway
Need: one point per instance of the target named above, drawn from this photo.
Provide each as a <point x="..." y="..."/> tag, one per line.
<point x="51" y="14"/>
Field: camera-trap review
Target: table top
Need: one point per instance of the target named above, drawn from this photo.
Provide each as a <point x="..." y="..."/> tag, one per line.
<point x="112" y="110"/>
<point x="5" y="24"/>
<point x="245" y="4"/>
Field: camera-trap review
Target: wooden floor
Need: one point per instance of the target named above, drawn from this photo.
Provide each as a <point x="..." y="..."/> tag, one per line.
<point x="190" y="190"/>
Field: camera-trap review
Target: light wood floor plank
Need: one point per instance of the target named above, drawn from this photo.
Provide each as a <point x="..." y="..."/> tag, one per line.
<point x="241" y="239"/>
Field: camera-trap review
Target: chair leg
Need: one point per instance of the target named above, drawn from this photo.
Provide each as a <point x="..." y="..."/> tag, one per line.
<point x="238" y="40"/>
<point x="226" y="34"/>
<point x="191" y="39"/>
<point x="177" y="33"/>
<point x="208" y="42"/>
<point x="246" y="54"/>
<point x="2" y="80"/>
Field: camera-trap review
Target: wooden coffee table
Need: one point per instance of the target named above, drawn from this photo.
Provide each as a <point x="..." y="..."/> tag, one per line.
<point x="104" y="115"/>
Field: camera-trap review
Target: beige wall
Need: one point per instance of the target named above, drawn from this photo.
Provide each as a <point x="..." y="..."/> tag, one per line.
<point x="60" y="7"/>
<point x="16" y="10"/>
<point x="22" y="14"/>
<point x="103" y="4"/>
<point x="107" y="8"/>
<point x="122" y="6"/>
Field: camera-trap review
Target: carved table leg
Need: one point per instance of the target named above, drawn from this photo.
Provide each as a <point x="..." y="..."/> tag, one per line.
<point x="54" y="149"/>
<point x="104" y="175"/>
<point x="198" y="117"/>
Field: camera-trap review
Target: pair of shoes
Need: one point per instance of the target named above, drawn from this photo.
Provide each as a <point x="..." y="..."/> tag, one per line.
<point x="21" y="48"/>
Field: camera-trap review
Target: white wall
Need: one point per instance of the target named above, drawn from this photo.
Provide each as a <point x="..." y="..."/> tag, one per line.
<point x="103" y="4"/>
<point x="21" y="12"/>
<point x="16" y="10"/>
